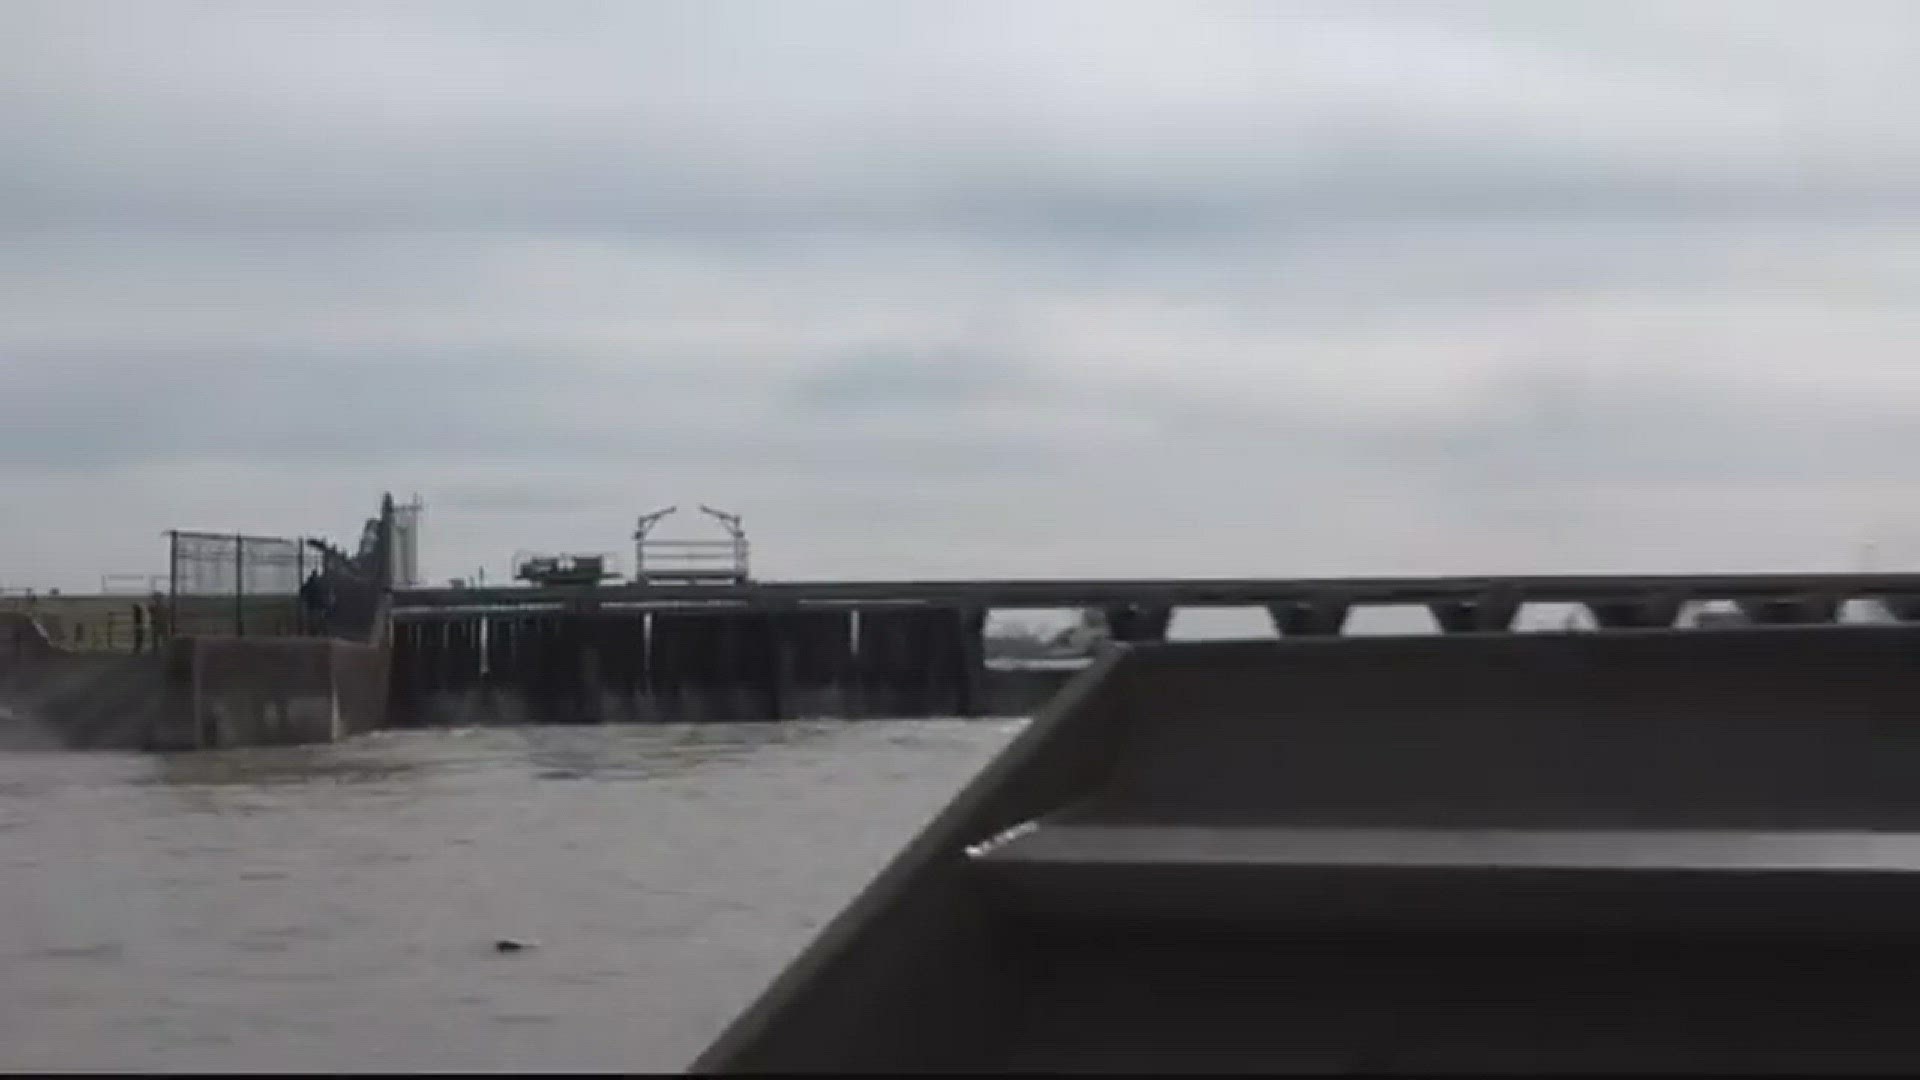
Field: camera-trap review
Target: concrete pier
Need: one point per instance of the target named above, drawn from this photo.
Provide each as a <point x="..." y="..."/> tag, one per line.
<point x="1138" y="622"/>
<point x="1493" y="610"/>
<point x="1794" y="610"/>
<point x="1298" y="618"/>
<point x="1657" y="612"/>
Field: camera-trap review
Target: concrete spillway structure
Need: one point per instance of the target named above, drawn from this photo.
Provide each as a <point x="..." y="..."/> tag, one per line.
<point x="1646" y="850"/>
<point x="772" y="650"/>
<point x="695" y="663"/>
<point x="195" y="692"/>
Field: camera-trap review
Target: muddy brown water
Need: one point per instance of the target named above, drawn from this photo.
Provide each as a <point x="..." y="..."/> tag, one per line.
<point x="338" y="907"/>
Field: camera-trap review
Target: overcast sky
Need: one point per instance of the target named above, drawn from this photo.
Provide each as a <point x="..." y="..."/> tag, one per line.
<point x="968" y="289"/>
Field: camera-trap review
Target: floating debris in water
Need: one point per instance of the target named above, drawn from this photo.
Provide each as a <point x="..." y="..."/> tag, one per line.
<point x="514" y="945"/>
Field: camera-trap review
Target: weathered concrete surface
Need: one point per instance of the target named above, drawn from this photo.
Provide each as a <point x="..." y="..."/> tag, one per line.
<point x="53" y="698"/>
<point x="84" y="702"/>
<point x="195" y="693"/>
<point x="282" y="691"/>
<point x="1667" y="850"/>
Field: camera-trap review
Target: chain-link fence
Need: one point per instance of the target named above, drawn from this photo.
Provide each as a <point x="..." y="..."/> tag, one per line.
<point x="222" y="583"/>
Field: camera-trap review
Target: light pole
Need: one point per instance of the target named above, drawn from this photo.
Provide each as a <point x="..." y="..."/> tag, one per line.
<point x="641" y="529"/>
<point x="731" y="523"/>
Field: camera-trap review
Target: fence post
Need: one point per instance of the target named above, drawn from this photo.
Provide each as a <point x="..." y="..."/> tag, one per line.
<point x="239" y="585"/>
<point x="301" y="619"/>
<point x="173" y="583"/>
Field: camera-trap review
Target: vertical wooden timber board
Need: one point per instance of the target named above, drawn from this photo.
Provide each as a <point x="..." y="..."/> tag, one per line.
<point x="433" y="639"/>
<point x="699" y="642"/>
<point x="668" y="640"/>
<point x="881" y="631"/>
<point x="913" y="661"/>
<point x="563" y="664"/>
<point x="448" y="667"/>
<point x="500" y="651"/>
<point x="406" y="660"/>
<point x="403" y="681"/>
<point x="758" y="666"/>
<point x="464" y="653"/>
<point x="973" y="660"/>
<point x="720" y="666"/>
<point x="526" y="652"/>
<point x="945" y="661"/>
<point x="623" y="641"/>
<point x="661" y="671"/>
<point x="449" y="673"/>
<point x="745" y="678"/>
<point x="817" y="658"/>
<point x="580" y="668"/>
<point x="642" y="644"/>
<point x="543" y="683"/>
<point x="475" y="661"/>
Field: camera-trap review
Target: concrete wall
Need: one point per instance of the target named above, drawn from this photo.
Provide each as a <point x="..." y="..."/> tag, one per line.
<point x="282" y="691"/>
<point x="196" y="693"/>
<point x="52" y="697"/>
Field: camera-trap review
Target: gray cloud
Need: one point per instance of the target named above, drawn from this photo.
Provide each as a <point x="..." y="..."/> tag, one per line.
<point x="1071" y="287"/>
<point x="744" y="120"/>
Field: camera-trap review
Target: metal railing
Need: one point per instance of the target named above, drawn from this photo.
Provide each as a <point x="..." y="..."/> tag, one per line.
<point x="134" y="585"/>
<point x="690" y="561"/>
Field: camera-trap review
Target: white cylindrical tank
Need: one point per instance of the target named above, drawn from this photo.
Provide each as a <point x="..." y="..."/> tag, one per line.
<point x="406" y="542"/>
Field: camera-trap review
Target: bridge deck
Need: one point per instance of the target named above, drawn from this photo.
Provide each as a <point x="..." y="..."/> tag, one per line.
<point x="1188" y="592"/>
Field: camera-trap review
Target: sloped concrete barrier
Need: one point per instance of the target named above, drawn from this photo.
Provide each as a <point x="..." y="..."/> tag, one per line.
<point x="1641" y="850"/>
